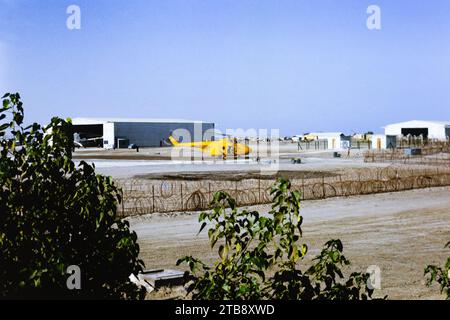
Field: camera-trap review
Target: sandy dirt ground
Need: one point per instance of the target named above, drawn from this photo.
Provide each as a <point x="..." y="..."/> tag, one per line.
<point x="399" y="232"/>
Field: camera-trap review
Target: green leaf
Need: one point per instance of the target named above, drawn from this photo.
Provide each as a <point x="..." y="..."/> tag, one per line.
<point x="58" y="209"/>
<point x="202" y="227"/>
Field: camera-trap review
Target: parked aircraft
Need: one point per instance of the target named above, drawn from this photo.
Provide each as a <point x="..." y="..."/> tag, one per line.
<point x="218" y="148"/>
<point x="86" y="142"/>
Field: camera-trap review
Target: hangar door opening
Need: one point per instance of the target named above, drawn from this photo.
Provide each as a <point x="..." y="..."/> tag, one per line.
<point x="90" y="135"/>
<point x="415" y="132"/>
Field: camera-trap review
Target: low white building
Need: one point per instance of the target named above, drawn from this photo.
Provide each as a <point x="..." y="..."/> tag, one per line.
<point x="378" y="141"/>
<point x="439" y="130"/>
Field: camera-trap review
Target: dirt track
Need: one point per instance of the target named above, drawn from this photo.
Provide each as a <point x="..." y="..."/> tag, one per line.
<point x="400" y="232"/>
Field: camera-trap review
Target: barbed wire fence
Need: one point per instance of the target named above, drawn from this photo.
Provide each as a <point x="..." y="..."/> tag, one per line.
<point x="144" y="196"/>
<point x="433" y="154"/>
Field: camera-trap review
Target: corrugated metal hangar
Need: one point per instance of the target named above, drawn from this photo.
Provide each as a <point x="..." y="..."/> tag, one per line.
<point x="438" y="130"/>
<point x="119" y="133"/>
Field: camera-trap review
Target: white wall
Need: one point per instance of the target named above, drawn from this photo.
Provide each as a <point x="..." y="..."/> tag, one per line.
<point x="108" y="135"/>
<point x="437" y="132"/>
<point x="378" y="137"/>
<point x="329" y="138"/>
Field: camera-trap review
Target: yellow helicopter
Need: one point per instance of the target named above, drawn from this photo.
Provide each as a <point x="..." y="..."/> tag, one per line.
<point x="219" y="148"/>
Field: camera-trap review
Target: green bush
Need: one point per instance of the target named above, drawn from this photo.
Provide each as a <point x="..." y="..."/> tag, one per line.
<point x="440" y="275"/>
<point x="254" y="246"/>
<point x="54" y="214"/>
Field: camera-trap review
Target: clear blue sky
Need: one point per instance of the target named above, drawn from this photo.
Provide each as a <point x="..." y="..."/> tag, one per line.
<point x="294" y="65"/>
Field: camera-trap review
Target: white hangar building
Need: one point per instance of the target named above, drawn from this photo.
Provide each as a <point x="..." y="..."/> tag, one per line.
<point x="119" y="132"/>
<point x="438" y="130"/>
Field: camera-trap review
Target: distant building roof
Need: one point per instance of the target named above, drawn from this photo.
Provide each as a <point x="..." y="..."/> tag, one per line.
<point x="93" y="121"/>
<point x="419" y="122"/>
<point x="326" y="134"/>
